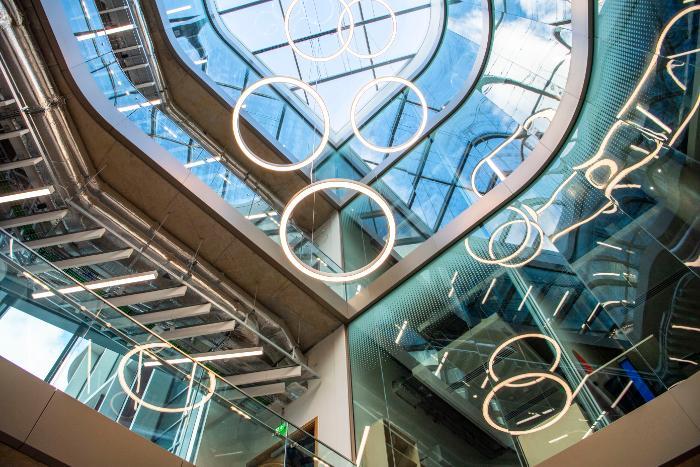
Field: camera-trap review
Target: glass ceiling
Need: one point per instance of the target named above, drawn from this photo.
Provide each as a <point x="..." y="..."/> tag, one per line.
<point x="380" y="45"/>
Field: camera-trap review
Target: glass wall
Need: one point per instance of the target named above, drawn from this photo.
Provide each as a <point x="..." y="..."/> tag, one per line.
<point x="482" y="142"/>
<point x="573" y="305"/>
<point x="78" y="342"/>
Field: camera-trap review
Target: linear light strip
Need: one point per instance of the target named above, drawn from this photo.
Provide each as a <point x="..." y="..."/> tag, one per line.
<point x="104" y="32"/>
<point x="622" y="394"/>
<point x="27" y="194"/>
<point x="101" y="284"/>
<point x="685" y="328"/>
<point x="178" y="9"/>
<point x="210" y="358"/>
<point x="141" y="105"/>
<point x="527" y="294"/>
<point x="488" y="292"/>
<point x="401" y="331"/>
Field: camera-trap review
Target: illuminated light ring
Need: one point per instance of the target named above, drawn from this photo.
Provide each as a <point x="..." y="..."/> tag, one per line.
<point x="344" y="276"/>
<point x="555" y="364"/>
<point x="343" y="47"/>
<point x="508" y="383"/>
<point x="139" y="401"/>
<point x="394" y="28"/>
<point x="546" y="113"/>
<point x="518" y="251"/>
<point x="250" y="154"/>
<point x="416" y="136"/>
<point x="610" y="164"/>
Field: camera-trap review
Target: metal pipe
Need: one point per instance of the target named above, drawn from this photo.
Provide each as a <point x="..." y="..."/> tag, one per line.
<point x="82" y="190"/>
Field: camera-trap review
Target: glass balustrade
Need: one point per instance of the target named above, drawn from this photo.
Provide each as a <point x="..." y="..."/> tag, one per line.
<point x="54" y="327"/>
<point x="572" y="305"/>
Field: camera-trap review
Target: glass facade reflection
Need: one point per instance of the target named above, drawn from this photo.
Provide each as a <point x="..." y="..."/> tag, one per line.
<point x="569" y="307"/>
<point x="562" y="312"/>
<point x="483" y="140"/>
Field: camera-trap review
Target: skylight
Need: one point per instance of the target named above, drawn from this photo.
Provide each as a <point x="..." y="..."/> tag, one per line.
<point x="383" y="43"/>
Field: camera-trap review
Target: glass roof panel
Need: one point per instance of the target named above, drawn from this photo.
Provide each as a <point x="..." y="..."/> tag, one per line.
<point x="376" y="42"/>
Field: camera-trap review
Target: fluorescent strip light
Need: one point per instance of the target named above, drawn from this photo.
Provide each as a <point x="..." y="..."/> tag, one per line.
<point x="622" y="394"/>
<point x="557" y="439"/>
<point x="240" y="412"/>
<point x="34" y="193"/>
<point x="363" y="443"/>
<point x="210" y="358"/>
<point x="101" y="284"/>
<point x="525" y="420"/>
<point x="609" y="246"/>
<point x="141" y="105"/>
<point x="683" y="54"/>
<point x="611" y="274"/>
<point x="401" y="331"/>
<point x="201" y="61"/>
<point x="442" y="362"/>
<point x="178" y="9"/>
<point x="685" y="328"/>
<point x="261" y="215"/>
<point x="454" y="277"/>
<point x="189" y="165"/>
<point x="488" y="292"/>
<point x="592" y="315"/>
<point x="682" y="360"/>
<point x="561" y="303"/>
<point x="527" y="294"/>
<point x="104" y="32"/>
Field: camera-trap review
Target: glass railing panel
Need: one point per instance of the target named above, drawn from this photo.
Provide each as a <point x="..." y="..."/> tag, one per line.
<point x="596" y="258"/>
<point x="133" y="377"/>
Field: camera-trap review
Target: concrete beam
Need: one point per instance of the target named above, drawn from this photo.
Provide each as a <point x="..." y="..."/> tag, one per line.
<point x="34" y="219"/>
<point x="80" y="261"/>
<point x="196" y="331"/>
<point x="264" y="376"/>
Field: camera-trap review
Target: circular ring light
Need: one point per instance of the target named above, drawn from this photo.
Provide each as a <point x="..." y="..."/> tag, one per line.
<point x="557" y="357"/>
<point x="350" y="185"/>
<point x="509" y="383"/>
<point x="138" y="400"/>
<point x="608" y="164"/>
<point x="344" y="43"/>
<point x="250" y="154"/>
<point x="412" y="139"/>
<point x="392" y="37"/>
<point x="504" y="261"/>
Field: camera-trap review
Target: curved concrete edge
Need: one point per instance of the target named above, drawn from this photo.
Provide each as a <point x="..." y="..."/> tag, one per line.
<point x="84" y="88"/>
<point x="472" y="80"/>
<point x="654" y="434"/>
<point x="170" y="53"/>
<point x="540" y="158"/>
<point x="52" y="427"/>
